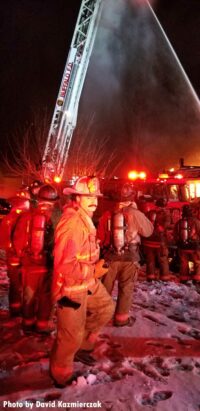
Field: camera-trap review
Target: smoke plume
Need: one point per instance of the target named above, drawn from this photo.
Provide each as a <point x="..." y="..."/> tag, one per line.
<point x="137" y="91"/>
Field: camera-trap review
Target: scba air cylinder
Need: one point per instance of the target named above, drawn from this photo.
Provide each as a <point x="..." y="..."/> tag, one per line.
<point x="118" y="231"/>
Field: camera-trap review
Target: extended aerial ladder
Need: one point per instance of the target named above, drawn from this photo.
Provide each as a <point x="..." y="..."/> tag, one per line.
<point x="66" y="110"/>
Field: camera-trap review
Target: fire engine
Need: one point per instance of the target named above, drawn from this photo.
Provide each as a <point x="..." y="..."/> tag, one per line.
<point x="173" y="189"/>
<point x="66" y="109"/>
<point x="148" y="189"/>
<point x="191" y="175"/>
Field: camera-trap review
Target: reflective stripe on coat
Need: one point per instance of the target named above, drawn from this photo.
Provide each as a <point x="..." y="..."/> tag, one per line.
<point x="75" y="253"/>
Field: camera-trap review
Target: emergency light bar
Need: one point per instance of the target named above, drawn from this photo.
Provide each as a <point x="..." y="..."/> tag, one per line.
<point x="133" y="175"/>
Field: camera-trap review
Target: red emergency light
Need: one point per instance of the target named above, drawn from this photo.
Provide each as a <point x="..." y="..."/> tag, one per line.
<point x="57" y="179"/>
<point x="163" y="176"/>
<point x="133" y="175"/>
<point x="142" y="175"/>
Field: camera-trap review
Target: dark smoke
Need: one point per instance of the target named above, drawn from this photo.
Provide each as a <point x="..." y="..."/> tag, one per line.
<point x="137" y="91"/>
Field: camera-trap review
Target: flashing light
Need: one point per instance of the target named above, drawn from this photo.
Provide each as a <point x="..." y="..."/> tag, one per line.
<point x="21" y="194"/>
<point x="163" y="176"/>
<point x="179" y="176"/>
<point x="18" y="211"/>
<point x="171" y="170"/>
<point x="133" y="175"/>
<point x="142" y="175"/>
<point x="57" y="179"/>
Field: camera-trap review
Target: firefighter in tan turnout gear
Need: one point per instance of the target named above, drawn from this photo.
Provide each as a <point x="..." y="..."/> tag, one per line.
<point x="33" y="243"/>
<point x="83" y="304"/>
<point x="156" y="246"/>
<point x="18" y="207"/>
<point x="187" y="236"/>
<point x="120" y="235"/>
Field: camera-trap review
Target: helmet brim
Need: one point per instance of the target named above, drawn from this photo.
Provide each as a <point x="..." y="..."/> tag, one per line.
<point x="69" y="190"/>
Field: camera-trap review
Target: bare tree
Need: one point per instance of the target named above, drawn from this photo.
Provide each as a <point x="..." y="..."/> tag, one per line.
<point x="90" y="155"/>
<point x="87" y="155"/>
<point x="25" y="149"/>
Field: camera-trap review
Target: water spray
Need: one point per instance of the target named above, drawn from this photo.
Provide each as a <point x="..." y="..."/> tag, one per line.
<point x="175" y="56"/>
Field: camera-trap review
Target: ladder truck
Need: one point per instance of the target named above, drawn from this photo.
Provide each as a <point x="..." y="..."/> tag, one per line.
<point x="66" y="109"/>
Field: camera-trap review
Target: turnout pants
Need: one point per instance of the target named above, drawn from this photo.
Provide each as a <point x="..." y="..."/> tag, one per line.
<point x="126" y="274"/>
<point x="15" y="289"/>
<point x="185" y="257"/>
<point x="37" y="305"/>
<point x="75" y="327"/>
<point x="161" y="255"/>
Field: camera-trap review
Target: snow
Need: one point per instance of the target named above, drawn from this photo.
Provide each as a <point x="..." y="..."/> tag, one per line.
<point x="153" y="364"/>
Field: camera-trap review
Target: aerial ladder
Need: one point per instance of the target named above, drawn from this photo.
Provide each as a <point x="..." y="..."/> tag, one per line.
<point x="66" y="109"/>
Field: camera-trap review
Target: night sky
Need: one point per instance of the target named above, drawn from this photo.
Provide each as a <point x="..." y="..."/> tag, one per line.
<point x="134" y="90"/>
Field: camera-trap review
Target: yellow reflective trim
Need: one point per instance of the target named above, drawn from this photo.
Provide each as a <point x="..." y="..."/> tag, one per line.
<point x="82" y="257"/>
<point x="87" y="256"/>
<point x="79" y="287"/>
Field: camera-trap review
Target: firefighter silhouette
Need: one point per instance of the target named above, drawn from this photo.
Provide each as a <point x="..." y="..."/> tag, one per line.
<point x="187" y="236"/>
<point x="33" y="243"/>
<point x="119" y="233"/>
<point x="156" y="247"/>
<point x="18" y="207"/>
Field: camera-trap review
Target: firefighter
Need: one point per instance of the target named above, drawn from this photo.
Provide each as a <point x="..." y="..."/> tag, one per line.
<point x="187" y="236"/>
<point x="120" y="235"/>
<point x="8" y="223"/>
<point x="33" y="242"/>
<point x="34" y="188"/>
<point x="156" y="247"/>
<point x="83" y="304"/>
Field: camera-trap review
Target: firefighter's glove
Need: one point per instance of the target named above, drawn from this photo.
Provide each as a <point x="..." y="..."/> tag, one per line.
<point x="101" y="268"/>
<point x="66" y="302"/>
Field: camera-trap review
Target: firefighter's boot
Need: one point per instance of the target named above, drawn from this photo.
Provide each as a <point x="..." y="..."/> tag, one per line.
<point x="61" y="377"/>
<point x="28" y="327"/>
<point x="44" y="327"/>
<point x="184" y="278"/>
<point x="165" y="277"/>
<point x="121" y="320"/>
<point x="85" y="357"/>
<point x="151" y="277"/>
<point x="196" y="278"/>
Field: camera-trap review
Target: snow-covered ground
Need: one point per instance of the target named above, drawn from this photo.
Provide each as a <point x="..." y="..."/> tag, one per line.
<point x="153" y="364"/>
